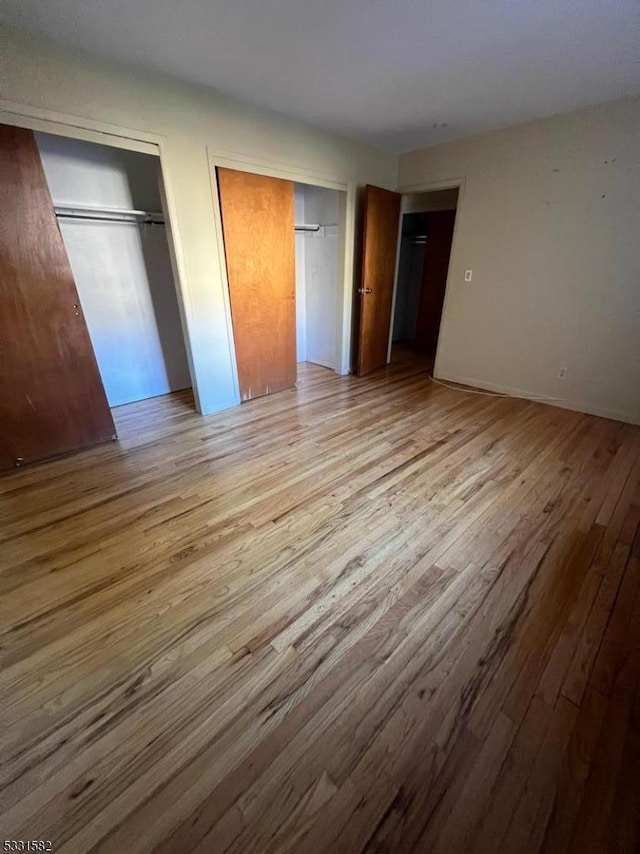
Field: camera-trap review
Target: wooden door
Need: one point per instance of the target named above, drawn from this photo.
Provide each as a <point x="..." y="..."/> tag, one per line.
<point x="51" y="395"/>
<point x="379" y="247"/>
<point x="259" y="243"/>
<point x="434" y="280"/>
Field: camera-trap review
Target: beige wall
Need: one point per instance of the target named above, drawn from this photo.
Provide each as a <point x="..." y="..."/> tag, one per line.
<point x="186" y="120"/>
<point x="436" y="200"/>
<point x="549" y="222"/>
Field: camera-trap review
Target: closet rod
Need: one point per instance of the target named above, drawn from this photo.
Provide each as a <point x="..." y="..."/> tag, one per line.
<point x="94" y="218"/>
<point x="304" y="226"/>
<point x="100" y="209"/>
<point x="109" y="214"/>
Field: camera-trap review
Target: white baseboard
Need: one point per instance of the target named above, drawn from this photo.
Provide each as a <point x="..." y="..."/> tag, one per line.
<point x="576" y="406"/>
<point x="322" y="364"/>
<point x="219" y="406"/>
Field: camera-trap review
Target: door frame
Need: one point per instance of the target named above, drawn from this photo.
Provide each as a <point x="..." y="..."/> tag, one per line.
<point x="427" y="187"/>
<point x="346" y="239"/>
<point x="115" y="136"/>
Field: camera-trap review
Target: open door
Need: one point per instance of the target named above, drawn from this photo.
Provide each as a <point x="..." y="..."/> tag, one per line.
<point x="259" y="244"/>
<point x="51" y="396"/>
<point x="379" y="248"/>
<point x="434" y="280"/>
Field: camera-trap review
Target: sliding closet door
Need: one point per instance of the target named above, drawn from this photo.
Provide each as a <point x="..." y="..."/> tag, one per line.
<point x="51" y="395"/>
<point x="259" y="242"/>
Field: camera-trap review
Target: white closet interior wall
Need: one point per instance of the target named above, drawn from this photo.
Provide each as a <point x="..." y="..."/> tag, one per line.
<point x="122" y="270"/>
<point x="317" y="271"/>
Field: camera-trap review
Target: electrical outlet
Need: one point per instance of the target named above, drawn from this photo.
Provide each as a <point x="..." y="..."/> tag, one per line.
<point x="467" y="275"/>
<point x="562" y="373"/>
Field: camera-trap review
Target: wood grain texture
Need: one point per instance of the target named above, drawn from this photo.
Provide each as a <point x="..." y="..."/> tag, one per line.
<point x="259" y="241"/>
<point x="379" y="248"/>
<point x="362" y="615"/>
<point x="52" y="400"/>
<point x="434" y="280"/>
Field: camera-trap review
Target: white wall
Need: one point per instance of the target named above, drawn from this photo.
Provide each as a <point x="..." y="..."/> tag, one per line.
<point x="301" y="301"/>
<point x="548" y="222"/>
<point x="81" y="91"/>
<point x="86" y="173"/>
<point x="122" y="270"/>
<point x="321" y="271"/>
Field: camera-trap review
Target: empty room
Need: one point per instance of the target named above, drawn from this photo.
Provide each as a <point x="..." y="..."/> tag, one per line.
<point x="320" y="427"/>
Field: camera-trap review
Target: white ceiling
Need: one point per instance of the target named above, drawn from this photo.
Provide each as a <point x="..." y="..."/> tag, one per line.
<point x="388" y="73"/>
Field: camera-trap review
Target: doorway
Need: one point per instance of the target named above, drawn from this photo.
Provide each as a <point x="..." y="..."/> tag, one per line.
<point x="318" y="270"/>
<point x="285" y="255"/>
<point x="424" y="251"/>
<point x="108" y="202"/>
<point x="405" y="248"/>
<point x="89" y="315"/>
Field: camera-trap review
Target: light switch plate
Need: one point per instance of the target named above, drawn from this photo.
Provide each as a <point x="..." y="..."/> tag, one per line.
<point x="467" y="275"/>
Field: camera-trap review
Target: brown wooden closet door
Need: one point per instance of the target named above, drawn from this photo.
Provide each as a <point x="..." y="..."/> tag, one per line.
<point x="434" y="280"/>
<point x="259" y="242"/>
<point x="51" y="396"/>
<point x="379" y="248"/>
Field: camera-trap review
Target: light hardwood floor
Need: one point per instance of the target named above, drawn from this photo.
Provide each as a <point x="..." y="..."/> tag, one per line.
<point x="367" y="615"/>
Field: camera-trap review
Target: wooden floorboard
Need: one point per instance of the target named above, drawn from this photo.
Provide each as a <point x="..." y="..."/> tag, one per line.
<point x="368" y="614"/>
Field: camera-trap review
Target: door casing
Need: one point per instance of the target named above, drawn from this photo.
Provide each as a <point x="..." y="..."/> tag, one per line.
<point x="426" y="187"/>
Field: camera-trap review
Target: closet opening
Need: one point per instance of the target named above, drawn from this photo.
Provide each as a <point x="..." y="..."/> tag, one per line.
<point x="318" y="215"/>
<point x="284" y="246"/>
<point x="109" y="206"/>
<point x="424" y="251"/>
